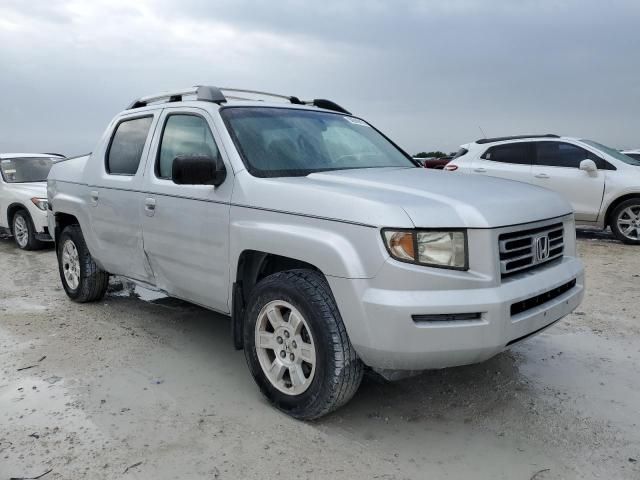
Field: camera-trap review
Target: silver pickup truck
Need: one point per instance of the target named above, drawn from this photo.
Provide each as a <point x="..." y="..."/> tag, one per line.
<point x="328" y="247"/>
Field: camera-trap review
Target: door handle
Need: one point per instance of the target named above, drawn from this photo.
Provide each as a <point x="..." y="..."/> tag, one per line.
<point x="149" y="206"/>
<point x="480" y="170"/>
<point x="542" y="175"/>
<point x="94" y="197"/>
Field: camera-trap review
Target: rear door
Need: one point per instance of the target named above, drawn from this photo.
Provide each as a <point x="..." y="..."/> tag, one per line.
<point x="509" y="160"/>
<point x="557" y="167"/>
<point x="115" y="181"/>
<point x="186" y="227"/>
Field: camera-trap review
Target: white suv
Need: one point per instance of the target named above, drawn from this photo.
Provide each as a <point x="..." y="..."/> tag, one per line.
<point x="23" y="197"/>
<point x="602" y="184"/>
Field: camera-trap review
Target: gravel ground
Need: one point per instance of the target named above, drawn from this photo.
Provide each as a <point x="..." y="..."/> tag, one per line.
<point x="135" y="388"/>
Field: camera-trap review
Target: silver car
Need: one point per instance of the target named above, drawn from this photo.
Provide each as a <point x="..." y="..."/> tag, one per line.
<point x="328" y="247"/>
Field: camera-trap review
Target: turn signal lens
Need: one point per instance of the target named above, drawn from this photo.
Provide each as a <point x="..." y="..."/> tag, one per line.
<point x="450" y="167"/>
<point x="401" y="245"/>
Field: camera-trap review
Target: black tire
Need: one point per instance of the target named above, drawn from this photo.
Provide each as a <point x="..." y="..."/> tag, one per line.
<point x="338" y="370"/>
<point x="634" y="203"/>
<point x="93" y="281"/>
<point x="32" y="243"/>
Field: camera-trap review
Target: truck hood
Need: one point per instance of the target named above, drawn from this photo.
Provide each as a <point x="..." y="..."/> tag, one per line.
<point x="408" y="197"/>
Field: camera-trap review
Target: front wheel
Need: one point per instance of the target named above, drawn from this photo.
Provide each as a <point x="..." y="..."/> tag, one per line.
<point x="81" y="278"/>
<point x="625" y="221"/>
<point x="297" y="347"/>
<point x="24" y="231"/>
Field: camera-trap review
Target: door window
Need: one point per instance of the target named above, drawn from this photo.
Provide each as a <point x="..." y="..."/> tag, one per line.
<point x="518" y="153"/>
<point x="184" y="135"/>
<point x="127" y="144"/>
<point x="559" y="154"/>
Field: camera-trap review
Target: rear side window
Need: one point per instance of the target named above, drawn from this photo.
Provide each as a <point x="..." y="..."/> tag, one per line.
<point x="127" y="143"/>
<point x="460" y="153"/>
<point x="184" y="135"/>
<point x="518" y="153"/>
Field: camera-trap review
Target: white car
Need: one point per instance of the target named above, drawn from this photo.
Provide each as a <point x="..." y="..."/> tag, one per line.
<point x="601" y="183"/>
<point x="23" y="197"/>
<point x="632" y="153"/>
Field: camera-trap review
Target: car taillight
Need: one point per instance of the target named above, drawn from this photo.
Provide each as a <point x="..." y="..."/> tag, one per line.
<point x="450" y="167"/>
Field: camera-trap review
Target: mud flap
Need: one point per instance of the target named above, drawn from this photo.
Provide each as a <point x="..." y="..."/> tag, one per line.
<point x="237" y="317"/>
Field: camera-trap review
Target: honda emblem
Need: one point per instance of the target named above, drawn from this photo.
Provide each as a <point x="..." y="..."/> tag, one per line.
<point x="541" y="247"/>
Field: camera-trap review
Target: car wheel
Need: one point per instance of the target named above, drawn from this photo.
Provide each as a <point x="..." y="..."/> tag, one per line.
<point x="297" y="347"/>
<point x="81" y="278"/>
<point x="625" y="221"/>
<point x="24" y="233"/>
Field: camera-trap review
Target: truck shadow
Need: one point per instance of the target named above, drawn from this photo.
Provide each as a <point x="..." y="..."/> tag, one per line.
<point x="462" y="393"/>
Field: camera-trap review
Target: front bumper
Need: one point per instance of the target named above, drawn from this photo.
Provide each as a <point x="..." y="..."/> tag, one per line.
<point x="379" y="316"/>
<point x="40" y="223"/>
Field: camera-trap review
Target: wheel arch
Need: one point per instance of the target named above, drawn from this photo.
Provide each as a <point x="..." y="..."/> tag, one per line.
<point x="614" y="204"/>
<point x="253" y="266"/>
<point x="63" y="220"/>
<point x="12" y="209"/>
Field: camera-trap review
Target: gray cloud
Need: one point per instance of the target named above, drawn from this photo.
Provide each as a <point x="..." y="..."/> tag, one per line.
<point x="429" y="73"/>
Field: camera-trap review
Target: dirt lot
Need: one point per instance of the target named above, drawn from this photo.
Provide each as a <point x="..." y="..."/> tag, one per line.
<point x="128" y="388"/>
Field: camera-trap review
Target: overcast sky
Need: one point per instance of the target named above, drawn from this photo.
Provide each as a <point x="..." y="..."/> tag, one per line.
<point x="428" y="73"/>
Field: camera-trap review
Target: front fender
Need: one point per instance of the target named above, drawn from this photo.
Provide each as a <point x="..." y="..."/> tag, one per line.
<point x="335" y="248"/>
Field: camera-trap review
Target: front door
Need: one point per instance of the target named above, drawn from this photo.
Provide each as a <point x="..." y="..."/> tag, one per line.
<point x="186" y="227"/>
<point x="557" y="167"/>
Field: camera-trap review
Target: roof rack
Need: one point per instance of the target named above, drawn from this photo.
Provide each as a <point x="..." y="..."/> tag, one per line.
<point x="515" y="137"/>
<point x="215" y="95"/>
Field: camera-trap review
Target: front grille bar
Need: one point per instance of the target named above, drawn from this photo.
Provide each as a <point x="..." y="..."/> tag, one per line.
<point x="520" y="250"/>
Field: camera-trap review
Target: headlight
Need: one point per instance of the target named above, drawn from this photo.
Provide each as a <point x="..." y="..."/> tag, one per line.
<point x="434" y="248"/>
<point x="41" y="203"/>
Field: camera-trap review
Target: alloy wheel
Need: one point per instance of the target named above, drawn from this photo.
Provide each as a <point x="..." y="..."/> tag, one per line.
<point x="71" y="264"/>
<point x="21" y="231"/>
<point x="629" y="222"/>
<point x="285" y="347"/>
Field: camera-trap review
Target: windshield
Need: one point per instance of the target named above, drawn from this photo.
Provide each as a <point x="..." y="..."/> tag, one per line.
<point x="278" y="142"/>
<point x="613" y="152"/>
<point x="25" y="170"/>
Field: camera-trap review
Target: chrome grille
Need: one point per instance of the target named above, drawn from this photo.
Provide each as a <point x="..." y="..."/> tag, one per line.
<point x="526" y="249"/>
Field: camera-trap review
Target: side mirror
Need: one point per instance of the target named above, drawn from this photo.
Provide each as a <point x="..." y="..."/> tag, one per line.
<point x="588" y="166"/>
<point x="198" y="170"/>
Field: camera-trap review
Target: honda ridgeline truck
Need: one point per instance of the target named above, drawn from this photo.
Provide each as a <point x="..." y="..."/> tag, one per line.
<point x="328" y="247"/>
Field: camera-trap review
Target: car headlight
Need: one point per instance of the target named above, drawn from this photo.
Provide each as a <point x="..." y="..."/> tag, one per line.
<point x="433" y="248"/>
<point x="41" y="203"/>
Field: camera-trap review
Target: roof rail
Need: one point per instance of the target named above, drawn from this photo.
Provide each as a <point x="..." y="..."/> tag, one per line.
<point x="214" y="94"/>
<point x="515" y="137"/>
<point x="207" y="94"/>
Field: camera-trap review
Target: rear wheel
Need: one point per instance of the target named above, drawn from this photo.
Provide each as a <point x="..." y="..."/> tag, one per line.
<point x="297" y="347"/>
<point x="24" y="232"/>
<point x="625" y="221"/>
<point x="81" y="278"/>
